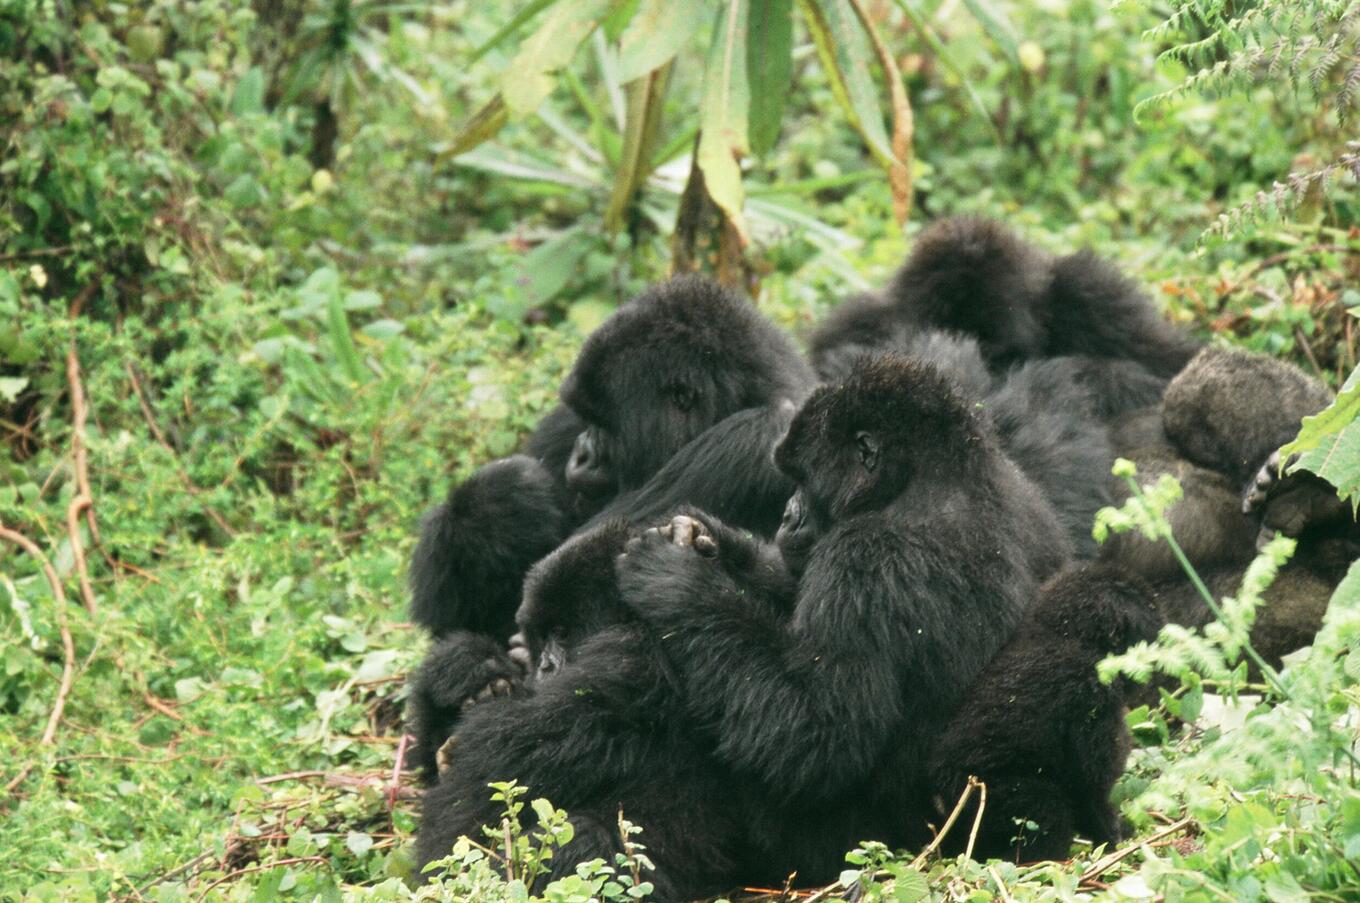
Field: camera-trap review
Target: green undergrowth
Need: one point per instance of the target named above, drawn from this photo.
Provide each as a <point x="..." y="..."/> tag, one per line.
<point x="291" y="343"/>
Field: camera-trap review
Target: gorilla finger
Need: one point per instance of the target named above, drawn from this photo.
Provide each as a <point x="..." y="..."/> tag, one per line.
<point x="444" y="757"/>
<point x="500" y="687"/>
<point x="705" y="546"/>
<point x="682" y="530"/>
<point x="521" y="658"/>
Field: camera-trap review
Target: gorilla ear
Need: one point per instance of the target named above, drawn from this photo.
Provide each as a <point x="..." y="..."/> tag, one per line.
<point x="867" y="444"/>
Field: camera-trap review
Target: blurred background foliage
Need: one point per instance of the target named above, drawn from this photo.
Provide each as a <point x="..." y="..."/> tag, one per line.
<point x="301" y="308"/>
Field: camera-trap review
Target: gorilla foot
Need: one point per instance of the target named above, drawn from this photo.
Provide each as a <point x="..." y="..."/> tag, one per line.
<point x="498" y="687"/>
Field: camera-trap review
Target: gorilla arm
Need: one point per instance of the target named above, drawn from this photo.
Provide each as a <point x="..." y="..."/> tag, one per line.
<point x="807" y="704"/>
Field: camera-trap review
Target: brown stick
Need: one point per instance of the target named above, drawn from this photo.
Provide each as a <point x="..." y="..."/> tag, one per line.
<point x="904" y="127"/>
<point x="68" y="646"/>
<point x="1105" y="863"/>
<point x="83" y="501"/>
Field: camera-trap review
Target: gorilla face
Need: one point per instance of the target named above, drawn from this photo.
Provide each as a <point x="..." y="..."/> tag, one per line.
<point x="858" y="446"/>
<point x="589" y="475"/>
<point x="664" y="368"/>
<point x="570" y="595"/>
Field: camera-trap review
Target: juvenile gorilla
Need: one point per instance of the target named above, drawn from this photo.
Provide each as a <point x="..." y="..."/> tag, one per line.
<point x="687" y="366"/>
<point x="1221" y="421"/>
<point x="975" y="277"/>
<point x="600" y="728"/>
<point x="1040" y="730"/>
<point x="916" y="545"/>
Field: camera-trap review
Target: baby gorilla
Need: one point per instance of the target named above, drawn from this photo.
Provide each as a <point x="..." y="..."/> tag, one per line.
<point x="600" y="728"/>
<point x="1044" y="735"/>
<point x="916" y="545"/>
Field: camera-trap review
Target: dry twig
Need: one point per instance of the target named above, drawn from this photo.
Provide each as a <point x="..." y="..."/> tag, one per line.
<point x="68" y="646"/>
<point x="83" y="500"/>
<point x="1109" y="861"/>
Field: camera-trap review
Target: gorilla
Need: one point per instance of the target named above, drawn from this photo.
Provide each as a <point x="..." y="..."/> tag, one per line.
<point x="915" y="544"/>
<point x="677" y="399"/>
<point x="975" y="277"/>
<point x="600" y="728"/>
<point x="1038" y="727"/>
<point x="686" y="365"/>
<point x="1217" y="430"/>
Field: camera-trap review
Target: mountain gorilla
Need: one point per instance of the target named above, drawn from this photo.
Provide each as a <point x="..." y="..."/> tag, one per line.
<point x="1219" y="426"/>
<point x="1039" y="728"/>
<point x="915" y="544"/>
<point x="677" y="399"/>
<point x="819" y="670"/>
<point x="975" y="277"/>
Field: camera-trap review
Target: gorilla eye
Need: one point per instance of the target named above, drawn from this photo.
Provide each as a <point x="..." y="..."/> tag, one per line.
<point x="684" y="397"/>
<point x="868" y="449"/>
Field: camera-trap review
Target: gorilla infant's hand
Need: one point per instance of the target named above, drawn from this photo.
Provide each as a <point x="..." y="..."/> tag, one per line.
<point x="663" y="560"/>
<point x="1292" y="502"/>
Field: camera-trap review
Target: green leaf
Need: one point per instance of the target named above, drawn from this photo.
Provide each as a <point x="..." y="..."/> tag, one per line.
<point x="249" y="94"/>
<point x="655" y="35"/>
<point x="549" y="267"/>
<point x="482" y="127"/>
<point x="358" y="843"/>
<point x="642" y="121"/>
<point x="529" y="78"/>
<point x="910" y="887"/>
<point x="10" y="387"/>
<point x="723" y="140"/>
<point x="509" y="28"/>
<point x="769" y="69"/>
<point x="1328" y="443"/>
<point x="998" y="28"/>
<point x="846" y="56"/>
<point x="342" y="342"/>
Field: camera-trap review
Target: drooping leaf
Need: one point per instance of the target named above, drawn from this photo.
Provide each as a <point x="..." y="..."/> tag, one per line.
<point x="844" y="51"/>
<point x="657" y="32"/>
<point x="482" y="127"/>
<point x="509" y="28"/>
<point x="642" y="121"/>
<point x="769" y="69"/>
<point x="903" y="120"/>
<point x="723" y="140"/>
<point x="529" y="78"/>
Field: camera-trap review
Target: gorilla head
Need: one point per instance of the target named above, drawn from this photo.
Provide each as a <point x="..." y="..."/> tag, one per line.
<point x="664" y="368"/>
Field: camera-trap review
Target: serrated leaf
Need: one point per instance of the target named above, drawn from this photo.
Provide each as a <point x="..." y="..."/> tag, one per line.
<point x="530" y="77"/>
<point x="910" y="887"/>
<point x="358" y="843"/>
<point x="342" y="342"/>
<point x="723" y="140"/>
<point x="657" y="32"/>
<point x="1328" y="443"/>
<point x="769" y="69"/>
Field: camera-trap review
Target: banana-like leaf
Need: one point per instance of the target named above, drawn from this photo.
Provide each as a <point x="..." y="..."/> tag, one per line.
<point x="912" y="10"/>
<point x="481" y="128"/>
<point x="845" y="56"/>
<point x="645" y="99"/>
<point x="723" y="139"/>
<point x="657" y="32"/>
<point x="769" y="69"/>
<point x="899" y="170"/>
<point x="529" y="78"/>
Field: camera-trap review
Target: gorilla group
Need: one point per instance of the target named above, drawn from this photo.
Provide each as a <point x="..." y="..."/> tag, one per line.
<point x="771" y="607"/>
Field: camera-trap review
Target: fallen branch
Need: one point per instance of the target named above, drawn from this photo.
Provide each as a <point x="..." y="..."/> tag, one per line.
<point x="68" y="646"/>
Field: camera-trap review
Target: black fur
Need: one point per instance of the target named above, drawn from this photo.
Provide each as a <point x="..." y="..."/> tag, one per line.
<point x="928" y="545"/>
<point x="1040" y="730"/>
<point x="976" y="277"/>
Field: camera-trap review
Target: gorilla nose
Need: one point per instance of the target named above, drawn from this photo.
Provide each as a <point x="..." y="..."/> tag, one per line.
<point x="587" y="472"/>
